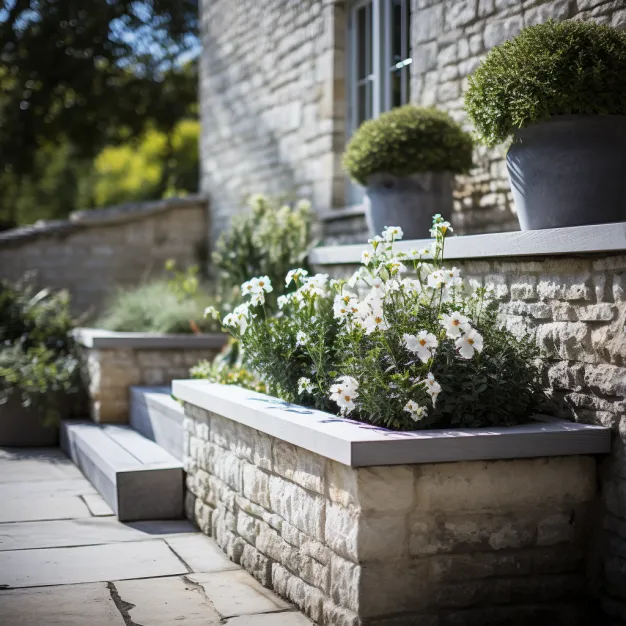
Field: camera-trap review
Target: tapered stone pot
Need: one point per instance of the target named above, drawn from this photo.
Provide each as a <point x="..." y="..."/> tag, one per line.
<point x="24" y="427"/>
<point x="408" y="201"/>
<point x="569" y="171"/>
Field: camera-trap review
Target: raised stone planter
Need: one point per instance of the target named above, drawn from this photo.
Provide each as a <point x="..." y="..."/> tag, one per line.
<point x="360" y="525"/>
<point x="112" y="362"/>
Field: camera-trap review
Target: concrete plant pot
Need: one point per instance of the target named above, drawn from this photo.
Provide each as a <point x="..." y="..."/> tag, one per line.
<point x="23" y="427"/>
<point x="408" y="201"/>
<point x="569" y="171"/>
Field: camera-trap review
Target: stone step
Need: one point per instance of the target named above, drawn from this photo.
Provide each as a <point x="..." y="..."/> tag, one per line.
<point x="137" y="478"/>
<point x="157" y="416"/>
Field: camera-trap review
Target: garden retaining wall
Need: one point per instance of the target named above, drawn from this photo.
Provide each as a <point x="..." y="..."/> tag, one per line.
<point x="112" y="363"/>
<point x="451" y="543"/>
<point x="94" y="252"/>
<point x="566" y="288"/>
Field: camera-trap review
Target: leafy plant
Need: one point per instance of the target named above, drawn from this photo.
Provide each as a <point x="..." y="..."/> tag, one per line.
<point x="38" y="357"/>
<point x="156" y="307"/>
<point x="417" y="348"/>
<point x="408" y="140"/>
<point x="267" y="240"/>
<point x="549" y="69"/>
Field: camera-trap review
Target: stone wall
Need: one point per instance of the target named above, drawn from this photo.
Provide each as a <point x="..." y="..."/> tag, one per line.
<point x="108" y="374"/>
<point x="496" y="542"/>
<point x="272" y="102"/>
<point x="94" y="252"/>
<point x="450" y="37"/>
<point x="575" y="307"/>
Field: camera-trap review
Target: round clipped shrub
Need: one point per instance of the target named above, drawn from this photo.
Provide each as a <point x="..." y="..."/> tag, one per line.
<point x="556" y="68"/>
<point x="406" y="141"/>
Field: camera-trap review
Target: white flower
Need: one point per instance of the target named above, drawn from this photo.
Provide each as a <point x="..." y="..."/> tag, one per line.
<point x="283" y="301"/>
<point x="392" y="233"/>
<point x="416" y="411"/>
<point x="453" y="323"/>
<point x="423" y="344"/>
<point x="366" y="257"/>
<point x="436" y="279"/>
<point x="441" y="227"/>
<point x="211" y="311"/>
<point x="257" y="298"/>
<point x="305" y="385"/>
<point x="410" y="286"/>
<point x="344" y="305"/>
<point x="257" y="285"/>
<point x="470" y="342"/>
<point x="295" y="275"/>
<point x="239" y="317"/>
<point x="396" y="267"/>
<point x="373" y="322"/>
<point x="301" y="338"/>
<point x="426" y="251"/>
<point x="344" y="392"/>
<point x="453" y="277"/>
<point x="247" y="288"/>
<point x="433" y="388"/>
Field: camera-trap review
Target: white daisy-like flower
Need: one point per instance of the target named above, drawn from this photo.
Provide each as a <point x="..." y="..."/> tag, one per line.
<point x="238" y="318"/>
<point x="257" y="298"/>
<point x="453" y="277"/>
<point x="453" y="323"/>
<point x="416" y="411"/>
<point x="433" y="388"/>
<point x="440" y="227"/>
<point x="436" y="279"/>
<point x="469" y="343"/>
<point x="374" y="321"/>
<point x="366" y="257"/>
<point x="396" y="267"/>
<point x="212" y="312"/>
<point x="410" y="286"/>
<point x="305" y="385"/>
<point x="296" y="275"/>
<point x="301" y="338"/>
<point x="392" y="233"/>
<point x="283" y="301"/>
<point x="423" y="344"/>
<point x="344" y="392"/>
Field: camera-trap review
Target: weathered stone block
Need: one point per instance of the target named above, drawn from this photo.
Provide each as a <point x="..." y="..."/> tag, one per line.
<point x="299" y="466"/>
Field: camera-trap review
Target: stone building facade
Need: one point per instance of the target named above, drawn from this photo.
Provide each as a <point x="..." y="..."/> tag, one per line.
<point x="276" y="91"/>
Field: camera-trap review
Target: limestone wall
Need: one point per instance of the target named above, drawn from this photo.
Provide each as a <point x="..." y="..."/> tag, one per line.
<point x="452" y="543"/>
<point x="272" y="102"/>
<point x="94" y="252"/>
<point x="575" y="307"/>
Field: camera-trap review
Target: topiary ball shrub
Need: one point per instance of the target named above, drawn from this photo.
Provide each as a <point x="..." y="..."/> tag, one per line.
<point x="550" y="69"/>
<point x="408" y="140"/>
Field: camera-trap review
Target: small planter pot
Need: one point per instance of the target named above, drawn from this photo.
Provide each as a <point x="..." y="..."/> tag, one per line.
<point x="409" y="202"/>
<point x="569" y="171"/>
<point x="24" y="427"/>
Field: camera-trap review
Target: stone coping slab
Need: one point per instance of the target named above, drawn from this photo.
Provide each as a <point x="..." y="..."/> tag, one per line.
<point x="552" y="241"/>
<point x="103" y="339"/>
<point x="358" y="444"/>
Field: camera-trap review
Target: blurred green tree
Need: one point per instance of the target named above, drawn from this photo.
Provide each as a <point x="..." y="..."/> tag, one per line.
<point x="77" y="76"/>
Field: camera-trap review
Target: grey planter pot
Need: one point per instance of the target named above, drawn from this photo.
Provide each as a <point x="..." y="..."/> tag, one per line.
<point x="409" y="202"/>
<point x="569" y="171"/>
<point x="22" y="427"/>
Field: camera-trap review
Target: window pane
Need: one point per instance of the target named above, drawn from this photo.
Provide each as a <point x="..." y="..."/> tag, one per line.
<point x="364" y="41"/>
<point x="362" y="106"/>
<point x="396" y="88"/>
<point x="407" y="29"/>
<point x="395" y="31"/>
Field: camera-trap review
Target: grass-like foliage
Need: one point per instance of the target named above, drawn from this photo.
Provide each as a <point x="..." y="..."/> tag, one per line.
<point x="158" y="307"/>
<point x="267" y="239"/>
<point x="38" y="357"/>
<point x="548" y="69"/>
<point x="408" y="140"/>
<point x="404" y="343"/>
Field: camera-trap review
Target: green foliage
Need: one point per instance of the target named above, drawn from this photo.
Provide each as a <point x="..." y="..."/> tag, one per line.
<point x="38" y="358"/>
<point x="548" y="69"/>
<point x="267" y="240"/>
<point x="418" y="348"/>
<point x="408" y="140"/>
<point x="156" y="307"/>
<point x="156" y="165"/>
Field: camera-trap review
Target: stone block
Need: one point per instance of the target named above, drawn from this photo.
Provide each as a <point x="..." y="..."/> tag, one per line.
<point x="428" y="23"/>
<point x="498" y="31"/>
<point x="257" y="564"/>
<point x="308" y="598"/>
<point x="299" y="466"/>
<point x="386" y="488"/>
<point x="256" y="485"/>
<point x="461" y="13"/>
<point x="603" y="312"/>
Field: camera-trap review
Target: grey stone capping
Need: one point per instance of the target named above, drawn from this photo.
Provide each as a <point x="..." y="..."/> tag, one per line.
<point x="98" y="217"/>
<point x="102" y="339"/>
<point x="358" y="444"/>
<point x="596" y="238"/>
<point x="343" y="213"/>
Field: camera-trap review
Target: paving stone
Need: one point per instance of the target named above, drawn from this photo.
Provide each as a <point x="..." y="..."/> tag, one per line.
<point x="83" y="532"/>
<point x="66" y="566"/>
<point x="275" y="619"/>
<point x="237" y="593"/>
<point x="38" y="464"/>
<point x="45" y="489"/>
<point x="201" y="554"/>
<point x="97" y="506"/>
<point x="30" y="509"/>
<point x="165" y="601"/>
<point x="69" y="605"/>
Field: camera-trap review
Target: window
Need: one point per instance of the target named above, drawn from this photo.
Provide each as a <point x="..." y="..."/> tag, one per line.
<point x="380" y="55"/>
